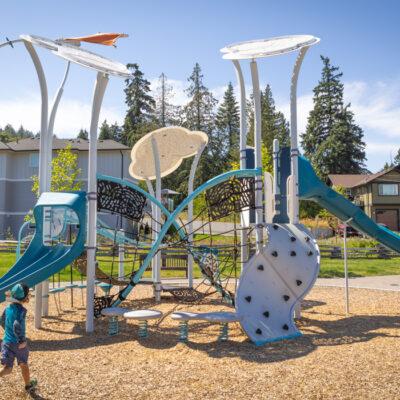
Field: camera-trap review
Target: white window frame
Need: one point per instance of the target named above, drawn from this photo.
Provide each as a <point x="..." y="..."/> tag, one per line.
<point x="381" y="189"/>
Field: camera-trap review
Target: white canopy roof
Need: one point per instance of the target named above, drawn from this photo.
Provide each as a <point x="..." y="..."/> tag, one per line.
<point x="80" y="56"/>
<point x="174" y="144"/>
<point x="267" y="47"/>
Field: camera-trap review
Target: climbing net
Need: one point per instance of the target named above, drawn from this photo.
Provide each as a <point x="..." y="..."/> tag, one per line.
<point x="211" y="238"/>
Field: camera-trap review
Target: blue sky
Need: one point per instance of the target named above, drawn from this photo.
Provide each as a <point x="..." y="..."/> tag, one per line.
<point x="362" y="37"/>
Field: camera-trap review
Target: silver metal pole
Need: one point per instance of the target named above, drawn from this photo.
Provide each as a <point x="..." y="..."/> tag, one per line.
<point x="346" y="271"/>
<point x="99" y="90"/>
<point x="192" y="174"/>
<point x="42" y="158"/>
<point x="294" y="151"/>
<point x="49" y="151"/>
<point x="277" y="190"/>
<point x="257" y="151"/>
<point x="121" y="257"/>
<point x="157" y="257"/>
<point x="153" y="226"/>
<point x="242" y="147"/>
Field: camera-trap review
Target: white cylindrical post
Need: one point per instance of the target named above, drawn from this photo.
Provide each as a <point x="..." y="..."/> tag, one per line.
<point x="294" y="151"/>
<point x="277" y="189"/>
<point x="153" y="226"/>
<point x="257" y="153"/>
<point x="121" y="259"/>
<point x="157" y="257"/>
<point x="192" y="174"/>
<point x="242" y="148"/>
<point x="346" y="272"/>
<point x="49" y="151"/>
<point x="99" y="89"/>
<point x="42" y="158"/>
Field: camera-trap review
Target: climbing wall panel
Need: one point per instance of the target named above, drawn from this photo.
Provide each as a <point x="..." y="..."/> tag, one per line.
<point x="274" y="280"/>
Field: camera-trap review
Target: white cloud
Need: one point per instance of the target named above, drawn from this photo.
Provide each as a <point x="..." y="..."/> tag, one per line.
<point x="72" y="115"/>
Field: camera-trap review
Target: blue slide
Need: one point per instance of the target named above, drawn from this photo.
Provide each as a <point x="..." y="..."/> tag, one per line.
<point x="48" y="253"/>
<point x="312" y="188"/>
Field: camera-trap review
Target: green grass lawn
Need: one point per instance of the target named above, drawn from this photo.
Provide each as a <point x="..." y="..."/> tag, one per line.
<point x="329" y="268"/>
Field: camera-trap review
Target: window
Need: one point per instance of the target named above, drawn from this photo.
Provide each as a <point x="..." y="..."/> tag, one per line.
<point x="34" y="160"/>
<point x="388" y="189"/>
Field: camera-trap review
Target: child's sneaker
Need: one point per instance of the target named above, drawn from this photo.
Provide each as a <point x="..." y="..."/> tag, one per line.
<point x="32" y="385"/>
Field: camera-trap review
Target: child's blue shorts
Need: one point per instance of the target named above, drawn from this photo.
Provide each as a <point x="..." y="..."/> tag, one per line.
<point x="10" y="352"/>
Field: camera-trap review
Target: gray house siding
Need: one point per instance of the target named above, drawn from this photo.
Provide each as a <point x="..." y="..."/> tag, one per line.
<point x="18" y="167"/>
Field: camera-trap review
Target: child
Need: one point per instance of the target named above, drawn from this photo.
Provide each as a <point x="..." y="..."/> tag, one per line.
<point x="14" y="344"/>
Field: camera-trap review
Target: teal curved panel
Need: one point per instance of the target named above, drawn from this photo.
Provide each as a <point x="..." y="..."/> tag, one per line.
<point x="40" y="261"/>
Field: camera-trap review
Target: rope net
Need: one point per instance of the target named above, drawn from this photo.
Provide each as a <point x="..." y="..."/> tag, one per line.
<point x="211" y="238"/>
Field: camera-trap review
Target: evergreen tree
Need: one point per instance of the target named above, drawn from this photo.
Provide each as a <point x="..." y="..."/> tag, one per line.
<point x="164" y="110"/>
<point x="139" y="118"/>
<point x="83" y="134"/>
<point x="105" y="131"/>
<point x="199" y="112"/>
<point x="200" y="116"/>
<point x="228" y="125"/>
<point x="332" y="141"/>
<point x="273" y="123"/>
<point x="396" y="160"/>
<point x="23" y="133"/>
<point x="116" y="132"/>
<point x="387" y="166"/>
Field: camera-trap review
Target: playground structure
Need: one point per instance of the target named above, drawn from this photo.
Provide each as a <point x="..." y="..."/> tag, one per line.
<point x="265" y="287"/>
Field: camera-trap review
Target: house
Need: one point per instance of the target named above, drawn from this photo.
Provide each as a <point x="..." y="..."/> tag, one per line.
<point x="378" y="195"/>
<point x="19" y="161"/>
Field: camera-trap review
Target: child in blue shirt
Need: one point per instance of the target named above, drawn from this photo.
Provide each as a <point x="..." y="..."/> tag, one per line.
<point x="14" y="345"/>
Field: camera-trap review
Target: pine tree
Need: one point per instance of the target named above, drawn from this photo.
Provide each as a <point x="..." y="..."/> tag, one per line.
<point x="342" y="152"/>
<point x="387" y="166"/>
<point x="200" y="116"/>
<point x="332" y="141"/>
<point x="228" y="125"/>
<point x="273" y="123"/>
<point x="139" y="118"/>
<point x="23" y="133"/>
<point x="116" y="132"/>
<point x="105" y="131"/>
<point x="396" y="160"/>
<point x="199" y="112"/>
<point x="83" y="134"/>
<point x="164" y="111"/>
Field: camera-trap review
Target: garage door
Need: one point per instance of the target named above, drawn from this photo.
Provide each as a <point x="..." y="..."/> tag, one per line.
<point x="388" y="217"/>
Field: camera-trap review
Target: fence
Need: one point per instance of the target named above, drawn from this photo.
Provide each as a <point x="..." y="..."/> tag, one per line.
<point x="177" y="259"/>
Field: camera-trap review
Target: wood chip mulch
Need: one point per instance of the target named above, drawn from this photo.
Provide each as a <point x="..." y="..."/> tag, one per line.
<point x="339" y="356"/>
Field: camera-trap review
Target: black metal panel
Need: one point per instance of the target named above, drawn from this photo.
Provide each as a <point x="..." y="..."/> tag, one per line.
<point x="120" y="199"/>
<point x="230" y="196"/>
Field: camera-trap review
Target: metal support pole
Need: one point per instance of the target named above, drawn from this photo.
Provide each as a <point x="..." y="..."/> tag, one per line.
<point x="242" y="148"/>
<point x="257" y="153"/>
<point x="157" y="214"/>
<point x="42" y="158"/>
<point x="294" y="151"/>
<point x="121" y="258"/>
<point x="99" y="90"/>
<point x="49" y="151"/>
<point x="192" y="174"/>
<point x="277" y="189"/>
<point x="346" y="272"/>
<point x="150" y="189"/>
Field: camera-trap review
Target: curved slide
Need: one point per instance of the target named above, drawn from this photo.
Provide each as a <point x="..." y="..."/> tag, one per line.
<point x="43" y="258"/>
<point x="312" y="188"/>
